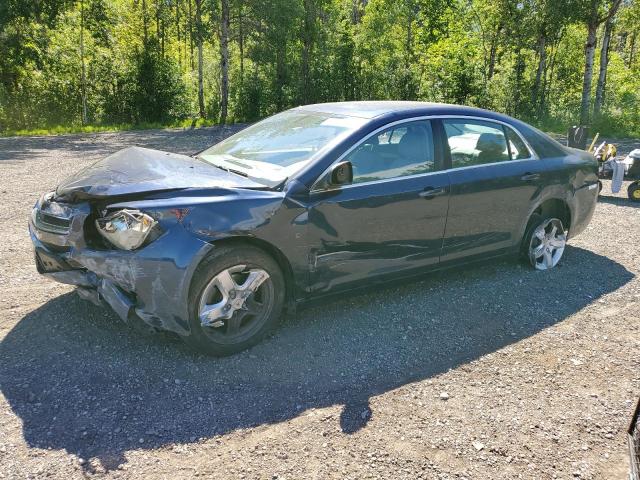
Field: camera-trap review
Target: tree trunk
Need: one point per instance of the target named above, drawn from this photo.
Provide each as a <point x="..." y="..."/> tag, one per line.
<point x="241" y="41"/>
<point x="178" y="35"/>
<point x="519" y="69"/>
<point x="190" y="35"/>
<point x="547" y="80"/>
<point x="589" y="52"/>
<point x="201" y="109"/>
<point x="355" y="12"/>
<point x="604" y="63"/>
<point x="307" y="47"/>
<point x="280" y="73"/>
<point x="632" y="48"/>
<point x="538" y="88"/>
<point x="492" y="53"/>
<point x="84" y="68"/>
<point x="158" y="22"/>
<point x="145" y="22"/>
<point x="224" y="60"/>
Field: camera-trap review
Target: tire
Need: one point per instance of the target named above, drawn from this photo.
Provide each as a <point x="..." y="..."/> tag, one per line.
<point x="634" y="192"/>
<point x="540" y="230"/>
<point x="599" y="187"/>
<point x="217" y="290"/>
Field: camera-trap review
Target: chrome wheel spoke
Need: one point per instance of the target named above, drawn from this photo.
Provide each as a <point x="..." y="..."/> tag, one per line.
<point x="546" y="249"/>
<point x="225" y="283"/>
<point x="557" y="242"/>
<point x="209" y="314"/>
<point x="254" y="280"/>
<point x="229" y="300"/>
<point x="538" y="251"/>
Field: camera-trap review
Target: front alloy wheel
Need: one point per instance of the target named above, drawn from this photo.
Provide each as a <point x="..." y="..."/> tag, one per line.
<point x="235" y="302"/>
<point x="236" y="297"/>
<point x="547" y="243"/>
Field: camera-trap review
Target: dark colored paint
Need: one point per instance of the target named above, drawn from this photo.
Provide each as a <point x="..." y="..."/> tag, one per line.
<point x="488" y="205"/>
<point x="374" y="229"/>
<point x="141" y="170"/>
<point x="325" y="239"/>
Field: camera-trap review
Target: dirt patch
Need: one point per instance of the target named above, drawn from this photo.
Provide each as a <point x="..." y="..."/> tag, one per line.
<point x="493" y="371"/>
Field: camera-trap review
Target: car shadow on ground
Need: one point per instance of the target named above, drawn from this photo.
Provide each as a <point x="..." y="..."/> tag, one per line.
<point x="80" y="380"/>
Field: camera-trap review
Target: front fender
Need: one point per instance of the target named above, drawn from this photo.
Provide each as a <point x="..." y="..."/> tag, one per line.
<point x="266" y="216"/>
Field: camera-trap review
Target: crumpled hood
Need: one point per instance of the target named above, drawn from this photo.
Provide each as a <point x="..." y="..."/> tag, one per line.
<point x="138" y="170"/>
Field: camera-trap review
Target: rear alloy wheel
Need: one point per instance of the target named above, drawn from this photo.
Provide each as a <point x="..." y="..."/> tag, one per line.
<point x="546" y="243"/>
<point x="236" y="299"/>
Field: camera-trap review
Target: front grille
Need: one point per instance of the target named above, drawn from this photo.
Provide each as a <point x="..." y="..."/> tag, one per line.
<point x="50" y="223"/>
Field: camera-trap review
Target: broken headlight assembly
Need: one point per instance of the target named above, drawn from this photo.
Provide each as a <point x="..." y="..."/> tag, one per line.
<point x="127" y="229"/>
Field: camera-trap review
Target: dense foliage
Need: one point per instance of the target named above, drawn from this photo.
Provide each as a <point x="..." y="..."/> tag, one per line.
<point x="111" y="62"/>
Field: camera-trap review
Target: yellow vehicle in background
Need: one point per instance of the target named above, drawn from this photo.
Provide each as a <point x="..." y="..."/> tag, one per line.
<point x="606" y="155"/>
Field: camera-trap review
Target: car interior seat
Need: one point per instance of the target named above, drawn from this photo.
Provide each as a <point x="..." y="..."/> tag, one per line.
<point x="492" y="148"/>
<point x="413" y="147"/>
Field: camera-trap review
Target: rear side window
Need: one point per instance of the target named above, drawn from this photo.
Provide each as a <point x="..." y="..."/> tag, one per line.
<point x="517" y="147"/>
<point x="474" y="142"/>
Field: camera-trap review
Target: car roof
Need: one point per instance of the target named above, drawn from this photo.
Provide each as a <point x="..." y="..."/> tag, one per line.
<point x="373" y="109"/>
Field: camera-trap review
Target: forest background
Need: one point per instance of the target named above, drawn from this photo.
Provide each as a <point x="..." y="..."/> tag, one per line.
<point x="86" y="65"/>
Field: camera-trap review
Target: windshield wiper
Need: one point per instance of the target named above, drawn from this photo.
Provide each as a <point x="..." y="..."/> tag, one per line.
<point x="230" y="170"/>
<point x="237" y="172"/>
<point x="240" y="164"/>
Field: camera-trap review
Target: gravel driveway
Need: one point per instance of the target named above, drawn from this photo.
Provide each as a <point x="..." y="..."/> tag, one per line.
<point x="489" y="372"/>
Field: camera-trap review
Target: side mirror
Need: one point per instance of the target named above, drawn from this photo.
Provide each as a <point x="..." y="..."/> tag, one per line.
<point x="342" y="174"/>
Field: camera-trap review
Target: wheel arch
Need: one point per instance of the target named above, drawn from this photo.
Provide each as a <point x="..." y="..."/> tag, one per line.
<point x="557" y="207"/>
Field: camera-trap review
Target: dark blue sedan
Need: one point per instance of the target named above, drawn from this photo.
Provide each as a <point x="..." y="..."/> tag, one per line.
<point x="315" y="199"/>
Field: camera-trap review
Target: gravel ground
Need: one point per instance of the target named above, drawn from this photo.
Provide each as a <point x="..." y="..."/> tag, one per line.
<point x="489" y="372"/>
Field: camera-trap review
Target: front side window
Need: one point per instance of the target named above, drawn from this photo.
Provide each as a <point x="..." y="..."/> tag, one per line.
<point x="403" y="150"/>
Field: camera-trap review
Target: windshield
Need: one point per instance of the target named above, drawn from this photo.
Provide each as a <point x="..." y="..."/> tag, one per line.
<point x="272" y="150"/>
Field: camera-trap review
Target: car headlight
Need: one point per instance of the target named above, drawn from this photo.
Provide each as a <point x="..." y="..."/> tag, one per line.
<point x="126" y="229"/>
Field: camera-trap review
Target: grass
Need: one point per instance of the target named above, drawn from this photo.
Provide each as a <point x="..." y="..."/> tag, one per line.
<point x="66" y="129"/>
<point x="606" y="128"/>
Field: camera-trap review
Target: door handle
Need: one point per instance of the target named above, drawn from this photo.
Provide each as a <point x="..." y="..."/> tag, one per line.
<point x="430" y="192"/>
<point x="529" y="177"/>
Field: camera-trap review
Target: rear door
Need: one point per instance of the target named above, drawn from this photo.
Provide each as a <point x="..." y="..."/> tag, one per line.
<point x="391" y="218"/>
<point x="494" y="175"/>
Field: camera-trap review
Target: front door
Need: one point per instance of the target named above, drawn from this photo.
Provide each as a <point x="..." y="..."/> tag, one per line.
<point x="390" y="219"/>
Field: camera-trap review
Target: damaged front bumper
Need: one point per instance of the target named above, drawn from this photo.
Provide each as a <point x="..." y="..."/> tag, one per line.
<point x="149" y="284"/>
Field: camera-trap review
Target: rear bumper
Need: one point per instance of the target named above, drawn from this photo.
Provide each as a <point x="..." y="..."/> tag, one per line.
<point x="151" y="284"/>
<point x="583" y="205"/>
